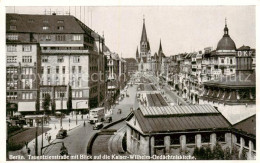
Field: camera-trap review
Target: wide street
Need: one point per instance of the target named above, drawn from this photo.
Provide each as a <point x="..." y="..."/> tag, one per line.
<point x="78" y="138"/>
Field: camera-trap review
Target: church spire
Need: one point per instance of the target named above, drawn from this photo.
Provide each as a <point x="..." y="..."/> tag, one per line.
<point x="160" y="47"/>
<point x="226" y="28"/>
<point x="144" y="35"/>
<point x="137" y="53"/>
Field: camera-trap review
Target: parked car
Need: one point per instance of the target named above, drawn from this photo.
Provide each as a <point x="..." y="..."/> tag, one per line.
<point x="98" y="126"/>
<point x="61" y="134"/>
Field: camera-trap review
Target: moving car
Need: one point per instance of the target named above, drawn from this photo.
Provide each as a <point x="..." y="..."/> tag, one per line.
<point x="96" y="115"/>
<point x="108" y="119"/>
<point x="98" y="126"/>
<point x="61" y="134"/>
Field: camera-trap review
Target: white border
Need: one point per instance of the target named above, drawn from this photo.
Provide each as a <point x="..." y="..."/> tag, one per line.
<point x="110" y="3"/>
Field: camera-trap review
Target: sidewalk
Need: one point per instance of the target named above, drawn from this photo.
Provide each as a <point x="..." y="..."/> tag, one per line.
<point x="54" y="124"/>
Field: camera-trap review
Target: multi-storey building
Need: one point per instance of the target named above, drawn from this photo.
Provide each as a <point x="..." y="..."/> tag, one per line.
<point x="22" y="66"/>
<point x="132" y="66"/>
<point x="69" y="54"/>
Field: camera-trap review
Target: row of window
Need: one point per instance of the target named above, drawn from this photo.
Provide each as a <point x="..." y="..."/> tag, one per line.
<point x="190" y="138"/>
<point x="60" y="37"/>
<point x="13" y="59"/>
<point x="11" y="95"/>
<point x="57" y="70"/>
<point x="13" y="48"/>
<point x="60" y="59"/>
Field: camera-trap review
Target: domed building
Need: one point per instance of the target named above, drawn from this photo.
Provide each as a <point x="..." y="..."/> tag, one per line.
<point x="232" y="86"/>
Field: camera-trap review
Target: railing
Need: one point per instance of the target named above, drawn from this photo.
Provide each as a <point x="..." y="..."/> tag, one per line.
<point x="65" y="51"/>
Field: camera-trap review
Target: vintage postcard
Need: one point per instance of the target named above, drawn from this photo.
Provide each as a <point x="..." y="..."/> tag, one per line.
<point x="130" y="83"/>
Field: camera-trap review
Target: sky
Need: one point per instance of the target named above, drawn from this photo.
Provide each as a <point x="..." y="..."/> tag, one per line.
<point x="180" y="28"/>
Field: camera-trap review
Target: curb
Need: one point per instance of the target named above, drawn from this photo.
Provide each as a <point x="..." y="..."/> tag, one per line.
<point x="93" y="137"/>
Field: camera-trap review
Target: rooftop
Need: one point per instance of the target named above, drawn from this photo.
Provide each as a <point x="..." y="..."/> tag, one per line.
<point x="179" y="119"/>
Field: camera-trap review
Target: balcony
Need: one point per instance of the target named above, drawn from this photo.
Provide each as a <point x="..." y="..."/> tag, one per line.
<point x="65" y="51"/>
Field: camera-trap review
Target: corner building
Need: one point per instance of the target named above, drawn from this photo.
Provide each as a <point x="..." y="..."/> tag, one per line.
<point x="69" y="54"/>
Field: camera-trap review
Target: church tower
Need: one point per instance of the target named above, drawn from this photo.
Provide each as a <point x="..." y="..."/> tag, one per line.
<point x="145" y="53"/>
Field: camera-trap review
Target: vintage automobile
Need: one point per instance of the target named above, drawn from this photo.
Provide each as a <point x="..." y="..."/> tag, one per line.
<point x="108" y="119"/>
<point x="98" y="126"/>
<point x="61" y="134"/>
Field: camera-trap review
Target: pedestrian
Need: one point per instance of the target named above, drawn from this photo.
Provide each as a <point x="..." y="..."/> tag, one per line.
<point x="26" y="144"/>
<point x="55" y="127"/>
<point x="69" y="120"/>
<point x="49" y="138"/>
<point x="28" y="151"/>
<point x="82" y="116"/>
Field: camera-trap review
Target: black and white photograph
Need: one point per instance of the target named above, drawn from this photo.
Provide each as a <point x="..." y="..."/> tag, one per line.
<point x="130" y="83"/>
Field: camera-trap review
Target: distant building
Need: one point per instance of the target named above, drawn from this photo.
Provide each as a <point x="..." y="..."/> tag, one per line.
<point x="132" y="66"/>
<point x="144" y="57"/>
<point x="233" y="90"/>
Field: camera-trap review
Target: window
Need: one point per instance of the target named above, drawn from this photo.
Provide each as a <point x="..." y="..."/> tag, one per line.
<point x="79" y="69"/>
<point x="12" y="37"/>
<point x="48" y="70"/>
<point x="222" y="60"/>
<point x="31" y="20"/>
<point x="11" y="70"/>
<point x="73" y="69"/>
<point x="26" y="83"/>
<point x="45" y="27"/>
<point x="220" y="137"/>
<point x="73" y="81"/>
<point x="60" y="59"/>
<point x="205" y="137"/>
<point x="27" y="48"/>
<point x="76" y="38"/>
<point x="45" y="21"/>
<point x="42" y="70"/>
<point x="175" y="139"/>
<point x="26" y="95"/>
<point x="27" y="59"/>
<point x="79" y="82"/>
<point x="63" y="80"/>
<point x="57" y="69"/>
<point x="60" y="21"/>
<point x="44" y="59"/>
<point x="48" y="37"/>
<point x="11" y="84"/>
<point x="12" y="27"/>
<point x="190" y="139"/>
<point x="57" y="81"/>
<point x="159" y="140"/>
<point x="11" y="59"/>
<point x="11" y="95"/>
<point x="11" y="48"/>
<point x="63" y="69"/>
<point x="60" y="37"/>
<point x="49" y="81"/>
<point x="13" y="20"/>
<point x="60" y="28"/>
<point x="76" y="59"/>
<point x="231" y="61"/>
<point x="27" y="70"/>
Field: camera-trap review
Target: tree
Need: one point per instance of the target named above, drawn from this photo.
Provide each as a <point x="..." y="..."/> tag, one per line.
<point x="235" y="153"/>
<point x="69" y="101"/>
<point x="218" y="153"/>
<point x="208" y="153"/>
<point x="243" y="155"/>
<point x="46" y="102"/>
<point x="227" y="154"/>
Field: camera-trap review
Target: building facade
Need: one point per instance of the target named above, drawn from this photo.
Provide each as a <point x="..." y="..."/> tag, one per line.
<point x="69" y="54"/>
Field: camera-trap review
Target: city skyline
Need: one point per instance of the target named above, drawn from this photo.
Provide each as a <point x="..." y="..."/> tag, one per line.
<point x="187" y="24"/>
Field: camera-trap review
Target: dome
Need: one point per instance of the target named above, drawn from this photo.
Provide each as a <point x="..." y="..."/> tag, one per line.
<point x="226" y="43"/>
